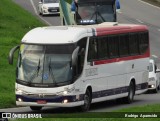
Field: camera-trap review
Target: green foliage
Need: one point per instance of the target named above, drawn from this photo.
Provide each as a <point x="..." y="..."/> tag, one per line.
<point x="14" y="24"/>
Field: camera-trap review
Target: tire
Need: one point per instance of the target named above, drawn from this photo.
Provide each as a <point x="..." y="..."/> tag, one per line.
<point x="42" y="13"/>
<point x="87" y="101"/>
<point x="157" y="87"/>
<point x="156" y="90"/>
<point x="131" y="92"/>
<point x="35" y="108"/>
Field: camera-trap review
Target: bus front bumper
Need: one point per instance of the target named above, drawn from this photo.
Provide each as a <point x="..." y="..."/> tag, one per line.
<point x="71" y="104"/>
<point x="55" y="101"/>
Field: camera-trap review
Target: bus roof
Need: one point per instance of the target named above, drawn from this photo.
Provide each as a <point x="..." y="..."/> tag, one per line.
<point x="71" y="34"/>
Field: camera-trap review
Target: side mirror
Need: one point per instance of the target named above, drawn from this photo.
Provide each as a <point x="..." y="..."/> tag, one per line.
<point x="75" y="56"/>
<point x="11" y="54"/>
<point x="40" y="2"/>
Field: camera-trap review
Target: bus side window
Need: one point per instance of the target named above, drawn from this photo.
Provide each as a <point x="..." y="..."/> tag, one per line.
<point x="133" y="44"/>
<point x="81" y="55"/>
<point x="143" y="42"/>
<point x="102" y="46"/>
<point x="113" y="46"/>
<point x="123" y="45"/>
<point x="92" y="50"/>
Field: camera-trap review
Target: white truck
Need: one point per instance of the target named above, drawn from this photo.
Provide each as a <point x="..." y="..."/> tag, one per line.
<point x="154" y="76"/>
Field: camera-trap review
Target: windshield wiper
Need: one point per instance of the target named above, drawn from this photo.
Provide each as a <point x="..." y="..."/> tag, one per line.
<point x="51" y="72"/>
<point x="36" y="72"/>
<point x="38" y="67"/>
<point x="97" y="13"/>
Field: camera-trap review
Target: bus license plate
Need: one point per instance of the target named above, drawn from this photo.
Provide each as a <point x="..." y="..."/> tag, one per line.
<point x="41" y="101"/>
<point x="54" y="10"/>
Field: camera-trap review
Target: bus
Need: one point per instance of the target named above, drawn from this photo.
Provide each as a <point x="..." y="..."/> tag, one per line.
<point x="87" y="12"/>
<point x="74" y="66"/>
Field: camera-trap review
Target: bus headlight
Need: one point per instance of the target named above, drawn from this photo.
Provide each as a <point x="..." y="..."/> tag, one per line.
<point x="152" y="79"/>
<point x="62" y="93"/>
<point x="18" y="91"/>
<point x="44" y="7"/>
<point x="65" y="92"/>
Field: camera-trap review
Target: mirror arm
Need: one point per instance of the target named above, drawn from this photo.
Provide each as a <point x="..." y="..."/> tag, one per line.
<point x="11" y="54"/>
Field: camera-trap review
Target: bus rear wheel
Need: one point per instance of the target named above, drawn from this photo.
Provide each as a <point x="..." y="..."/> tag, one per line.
<point x="87" y="101"/>
<point x="131" y="92"/>
<point x="35" y="108"/>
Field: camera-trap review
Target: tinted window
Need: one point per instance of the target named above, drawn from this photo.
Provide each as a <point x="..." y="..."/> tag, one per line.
<point x="102" y="48"/>
<point x="92" y="51"/>
<point x="123" y="45"/>
<point x="133" y="44"/>
<point x="143" y="42"/>
<point x="113" y="46"/>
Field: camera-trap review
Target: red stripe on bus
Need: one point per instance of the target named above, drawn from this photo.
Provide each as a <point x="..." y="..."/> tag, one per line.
<point x="119" y="30"/>
<point x="99" y="62"/>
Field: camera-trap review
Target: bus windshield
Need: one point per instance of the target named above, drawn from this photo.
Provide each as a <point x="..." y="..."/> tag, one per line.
<point x="45" y="64"/>
<point x="95" y="13"/>
<point x="51" y="1"/>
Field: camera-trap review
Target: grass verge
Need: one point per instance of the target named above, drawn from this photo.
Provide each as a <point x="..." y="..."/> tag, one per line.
<point x="14" y="23"/>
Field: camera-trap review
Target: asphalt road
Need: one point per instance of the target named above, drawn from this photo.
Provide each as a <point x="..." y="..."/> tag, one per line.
<point x="32" y="7"/>
<point x="132" y="11"/>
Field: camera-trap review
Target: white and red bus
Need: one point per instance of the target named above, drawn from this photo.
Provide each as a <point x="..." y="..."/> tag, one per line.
<point x="79" y="65"/>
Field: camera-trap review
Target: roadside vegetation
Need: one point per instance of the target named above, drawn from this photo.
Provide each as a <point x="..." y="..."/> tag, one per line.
<point x="14" y="23"/>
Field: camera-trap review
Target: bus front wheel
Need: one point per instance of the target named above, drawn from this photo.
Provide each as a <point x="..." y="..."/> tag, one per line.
<point x="131" y="92"/>
<point x="35" y="108"/>
<point x="87" y="101"/>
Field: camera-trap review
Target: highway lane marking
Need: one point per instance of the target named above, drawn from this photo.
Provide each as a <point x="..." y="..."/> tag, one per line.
<point x="149" y="4"/>
<point x="154" y="56"/>
<point x="140" y="21"/>
<point x="36" y="12"/>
